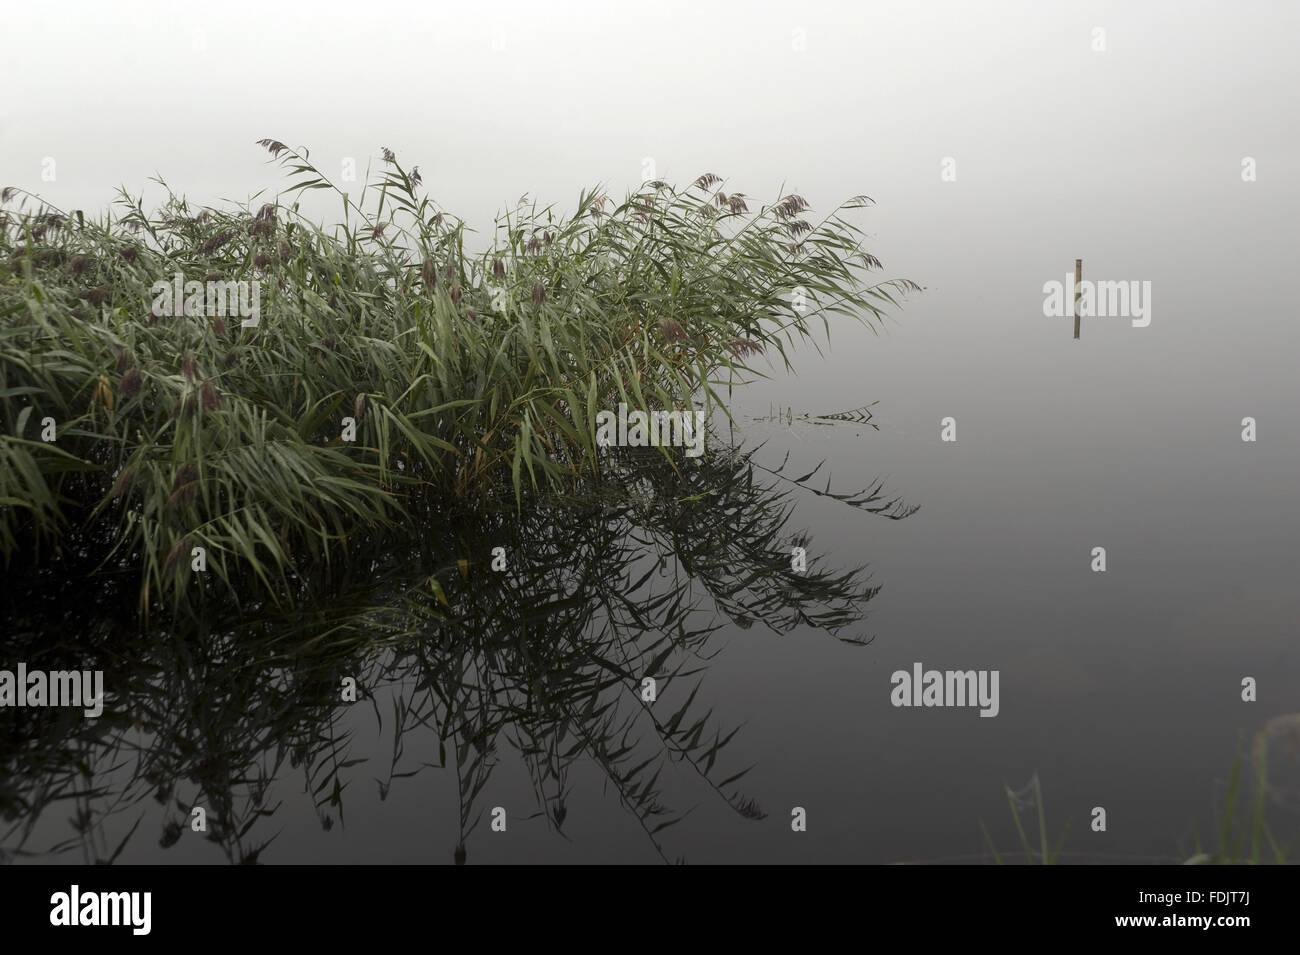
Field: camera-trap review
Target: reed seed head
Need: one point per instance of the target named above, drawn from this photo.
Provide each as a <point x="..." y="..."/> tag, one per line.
<point x="130" y="384"/>
<point x="216" y="241"/>
<point x="673" y="330"/>
<point x="791" y="206"/>
<point x="187" y="473"/>
<point x="273" y="146"/>
<point x="185" y="487"/>
<point x="211" y="397"/>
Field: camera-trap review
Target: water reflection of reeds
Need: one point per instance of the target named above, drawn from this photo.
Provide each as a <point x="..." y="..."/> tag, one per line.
<point x="223" y="704"/>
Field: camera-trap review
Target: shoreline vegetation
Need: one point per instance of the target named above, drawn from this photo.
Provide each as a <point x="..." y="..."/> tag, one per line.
<point x="465" y="378"/>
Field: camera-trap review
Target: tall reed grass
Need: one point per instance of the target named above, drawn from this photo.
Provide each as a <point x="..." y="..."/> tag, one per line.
<point x="466" y="372"/>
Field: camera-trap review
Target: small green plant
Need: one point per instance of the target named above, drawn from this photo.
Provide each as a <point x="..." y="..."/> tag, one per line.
<point x="1247" y="841"/>
<point x="1041" y="854"/>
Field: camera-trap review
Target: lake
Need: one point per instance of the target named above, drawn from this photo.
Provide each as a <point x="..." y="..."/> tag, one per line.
<point x="522" y="689"/>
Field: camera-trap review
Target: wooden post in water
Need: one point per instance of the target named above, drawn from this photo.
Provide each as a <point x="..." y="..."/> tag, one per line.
<point x="1078" y="282"/>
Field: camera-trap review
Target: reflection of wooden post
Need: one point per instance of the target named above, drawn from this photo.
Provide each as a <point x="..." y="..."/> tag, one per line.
<point x="1078" y="282"/>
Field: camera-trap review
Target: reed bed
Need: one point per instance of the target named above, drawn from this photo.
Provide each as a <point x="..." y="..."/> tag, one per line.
<point x="466" y="373"/>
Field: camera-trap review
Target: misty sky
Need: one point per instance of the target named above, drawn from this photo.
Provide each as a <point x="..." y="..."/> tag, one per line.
<point x="499" y="99"/>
